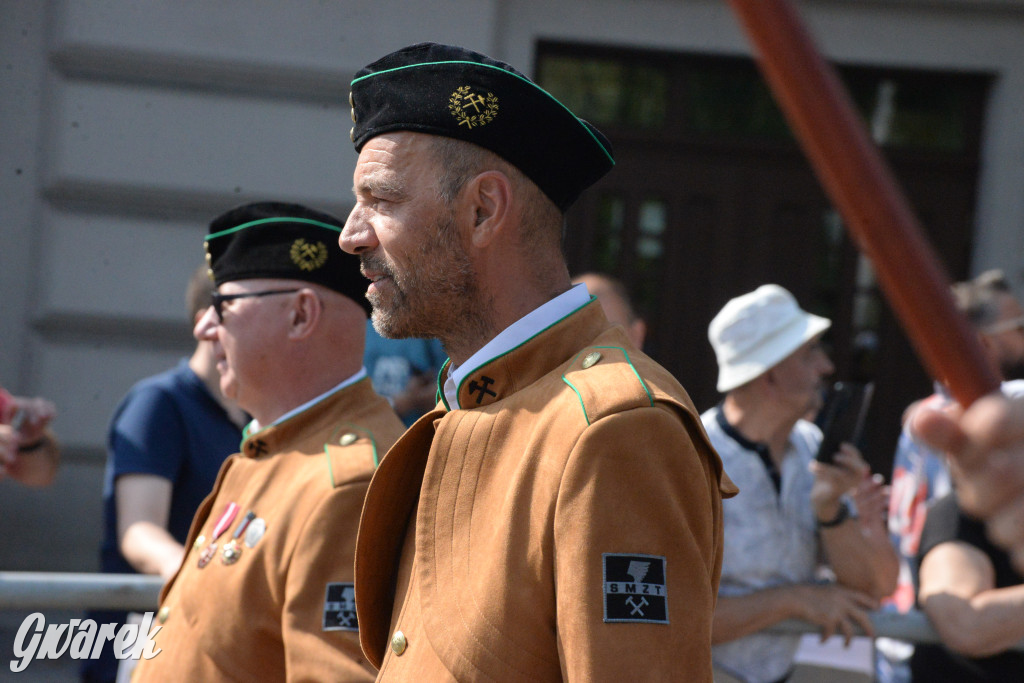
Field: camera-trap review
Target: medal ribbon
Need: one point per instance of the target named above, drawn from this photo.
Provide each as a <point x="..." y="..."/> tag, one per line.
<point x="249" y="516"/>
<point x="225" y="520"/>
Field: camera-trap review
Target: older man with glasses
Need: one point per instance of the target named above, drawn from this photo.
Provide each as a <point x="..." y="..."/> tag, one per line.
<point x="265" y="590"/>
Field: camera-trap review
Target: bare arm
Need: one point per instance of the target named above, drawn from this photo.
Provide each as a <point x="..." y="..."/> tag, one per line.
<point x="858" y="551"/>
<point x="986" y="445"/>
<point x="833" y="608"/>
<point x="143" y="508"/>
<point x="958" y="594"/>
<point x="30" y="463"/>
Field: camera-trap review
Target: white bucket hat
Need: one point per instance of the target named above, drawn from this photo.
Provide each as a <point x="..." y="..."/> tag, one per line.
<point x="754" y="332"/>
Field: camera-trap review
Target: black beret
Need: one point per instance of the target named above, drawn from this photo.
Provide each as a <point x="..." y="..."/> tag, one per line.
<point x="455" y="92"/>
<point x="288" y="241"/>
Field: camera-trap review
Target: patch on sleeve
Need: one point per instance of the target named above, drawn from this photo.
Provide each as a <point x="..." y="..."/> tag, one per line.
<point x="340" y="608"/>
<point x="635" y="589"/>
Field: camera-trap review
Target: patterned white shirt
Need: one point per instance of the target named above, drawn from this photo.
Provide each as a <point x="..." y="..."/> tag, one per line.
<point x="770" y="536"/>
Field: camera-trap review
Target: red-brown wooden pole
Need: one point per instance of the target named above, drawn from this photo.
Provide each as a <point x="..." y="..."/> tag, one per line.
<point x="861" y="186"/>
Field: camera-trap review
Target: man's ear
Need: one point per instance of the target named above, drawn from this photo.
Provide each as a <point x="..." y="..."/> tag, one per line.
<point x="304" y="314"/>
<point x="488" y="197"/>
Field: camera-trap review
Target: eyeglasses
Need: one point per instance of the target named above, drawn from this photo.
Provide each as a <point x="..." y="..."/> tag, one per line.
<point x="218" y="299"/>
<point x="1005" y="326"/>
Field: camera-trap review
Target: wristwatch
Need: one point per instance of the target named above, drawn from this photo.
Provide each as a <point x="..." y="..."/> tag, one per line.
<point x="841" y="516"/>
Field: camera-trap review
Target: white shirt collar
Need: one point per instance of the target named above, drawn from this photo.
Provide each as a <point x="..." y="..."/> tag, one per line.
<point x="514" y="335"/>
<point x="254" y="426"/>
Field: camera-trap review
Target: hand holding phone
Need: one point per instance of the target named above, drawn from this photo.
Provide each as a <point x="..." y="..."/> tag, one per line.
<point x="842" y="418"/>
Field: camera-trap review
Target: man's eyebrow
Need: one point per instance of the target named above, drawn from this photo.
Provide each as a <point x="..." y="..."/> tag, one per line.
<point x="386" y="185"/>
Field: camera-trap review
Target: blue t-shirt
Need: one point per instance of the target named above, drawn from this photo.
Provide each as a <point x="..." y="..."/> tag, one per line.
<point x="170" y="426"/>
<point x="391" y="363"/>
<point x="167" y="425"/>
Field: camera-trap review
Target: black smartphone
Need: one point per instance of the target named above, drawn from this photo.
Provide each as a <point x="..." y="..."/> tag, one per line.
<point x="843" y="415"/>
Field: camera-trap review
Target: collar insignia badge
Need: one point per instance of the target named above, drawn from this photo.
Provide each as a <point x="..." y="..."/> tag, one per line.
<point x="483" y="388"/>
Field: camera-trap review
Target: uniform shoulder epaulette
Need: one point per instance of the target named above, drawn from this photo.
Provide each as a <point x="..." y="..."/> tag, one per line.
<point x="606" y="380"/>
<point x="351" y="451"/>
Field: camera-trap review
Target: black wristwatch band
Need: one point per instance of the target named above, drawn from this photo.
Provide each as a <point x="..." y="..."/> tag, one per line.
<point x="841" y="516"/>
<point x="34" y="446"/>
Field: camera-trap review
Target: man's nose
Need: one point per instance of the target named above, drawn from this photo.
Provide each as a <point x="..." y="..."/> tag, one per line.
<point x="206" y="326"/>
<point x="358" y="235"/>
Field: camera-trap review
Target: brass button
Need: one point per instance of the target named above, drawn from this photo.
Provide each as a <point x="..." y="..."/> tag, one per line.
<point x="162" y="615"/>
<point x="353" y="116"/>
<point x="352" y="134"/>
<point x="200" y="540"/>
<point x="591" y="360"/>
<point x="399" y="643"/>
<point x="351" y="100"/>
<point x="348" y="439"/>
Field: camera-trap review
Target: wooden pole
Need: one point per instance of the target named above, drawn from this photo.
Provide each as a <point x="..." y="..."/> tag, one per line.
<point x="861" y="186"/>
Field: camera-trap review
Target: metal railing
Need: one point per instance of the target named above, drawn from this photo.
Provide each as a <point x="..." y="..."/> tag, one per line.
<point x="54" y="590"/>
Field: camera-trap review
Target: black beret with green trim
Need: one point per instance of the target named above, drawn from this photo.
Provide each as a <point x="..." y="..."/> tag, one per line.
<point x="287" y="241"/>
<point x="455" y="92"/>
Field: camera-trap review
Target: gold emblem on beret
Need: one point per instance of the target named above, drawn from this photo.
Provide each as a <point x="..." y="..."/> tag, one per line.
<point x="307" y="255"/>
<point x="472" y="109"/>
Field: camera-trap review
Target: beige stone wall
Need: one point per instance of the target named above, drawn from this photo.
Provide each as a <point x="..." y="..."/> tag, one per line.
<point x="126" y="125"/>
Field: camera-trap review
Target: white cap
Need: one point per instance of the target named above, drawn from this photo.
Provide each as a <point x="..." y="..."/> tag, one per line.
<point x="754" y="332"/>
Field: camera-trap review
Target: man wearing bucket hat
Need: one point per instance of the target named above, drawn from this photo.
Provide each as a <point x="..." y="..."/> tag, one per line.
<point x="558" y="514"/>
<point x="265" y="591"/>
<point x="771" y="367"/>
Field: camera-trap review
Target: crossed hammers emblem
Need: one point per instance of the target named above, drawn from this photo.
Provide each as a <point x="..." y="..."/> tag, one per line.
<point x="637" y="606"/>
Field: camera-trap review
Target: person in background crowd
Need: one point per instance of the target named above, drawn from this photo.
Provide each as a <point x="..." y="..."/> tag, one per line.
<point x="920" y="474"/>
<point x="557" y="516"/>
<point x="616" y="303"/>
<point x="29" y="451"/>
<point x="973" y="597"/>
<point x="792" y="509"/>
<point x="404" y="371"/>
<point x="985" y="443"/>
<point x="166" y="442"/>
<point x="265" y="589"/>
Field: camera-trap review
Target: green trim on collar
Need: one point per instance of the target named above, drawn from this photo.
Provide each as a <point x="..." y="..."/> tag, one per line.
<point x="245" y="435"/>
<point x="440" y="385"/>
<point x="458" y="389"/>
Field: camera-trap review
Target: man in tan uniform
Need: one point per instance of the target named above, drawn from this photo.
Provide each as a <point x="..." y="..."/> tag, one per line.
<point x="558" y="515"/>
<point x="265" y="590"/>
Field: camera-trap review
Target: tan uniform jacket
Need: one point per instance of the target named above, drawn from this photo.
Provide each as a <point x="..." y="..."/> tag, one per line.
<point x="567" y="528"/>
<point x="282" y="610"/>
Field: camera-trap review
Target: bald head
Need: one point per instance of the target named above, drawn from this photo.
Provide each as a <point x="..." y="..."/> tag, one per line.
<point x="614" y="299"/>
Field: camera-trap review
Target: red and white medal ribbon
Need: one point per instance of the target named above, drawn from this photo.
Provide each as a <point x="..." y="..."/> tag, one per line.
<point x="225" y="520"/>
